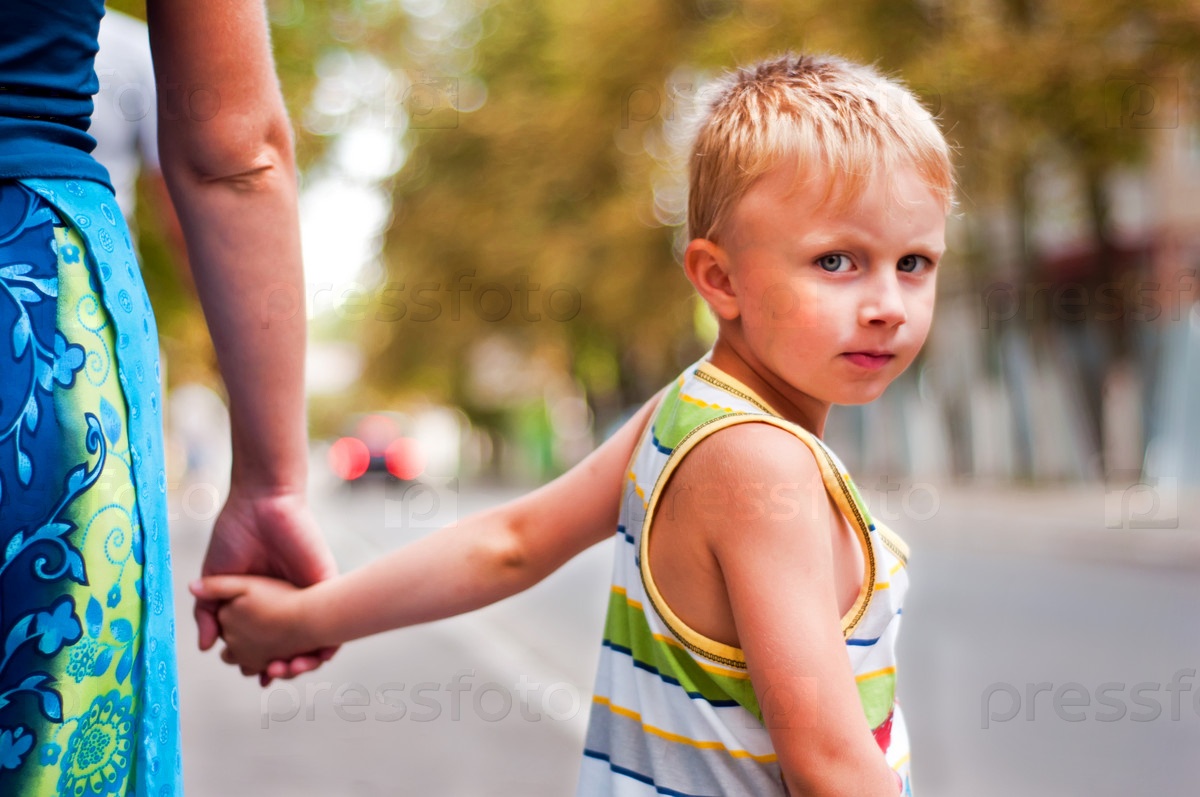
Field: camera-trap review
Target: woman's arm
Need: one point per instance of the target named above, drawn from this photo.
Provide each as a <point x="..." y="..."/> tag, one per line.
<point x="226" y="153"/>
<point x="482" y="559"/>
<point x="778" y="571"/>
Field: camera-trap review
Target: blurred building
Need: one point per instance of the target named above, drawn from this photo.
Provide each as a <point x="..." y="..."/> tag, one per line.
<point x="1082" y="362"/>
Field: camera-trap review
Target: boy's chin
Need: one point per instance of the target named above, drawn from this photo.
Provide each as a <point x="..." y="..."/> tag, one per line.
<point x="861" y="394"/>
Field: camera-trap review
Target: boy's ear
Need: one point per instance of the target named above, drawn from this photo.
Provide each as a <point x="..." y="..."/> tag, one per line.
<point x="707" y="267"/>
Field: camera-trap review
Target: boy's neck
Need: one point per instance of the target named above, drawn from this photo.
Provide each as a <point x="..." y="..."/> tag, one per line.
<point x="792" y="404"/>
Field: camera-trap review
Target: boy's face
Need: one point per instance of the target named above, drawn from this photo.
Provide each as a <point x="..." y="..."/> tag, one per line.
<point x="834" y="302"/>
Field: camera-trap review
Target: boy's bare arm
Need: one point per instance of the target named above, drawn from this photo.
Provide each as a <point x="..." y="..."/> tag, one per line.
<point x="482" y="559"/>
<point x="779" y="574"/>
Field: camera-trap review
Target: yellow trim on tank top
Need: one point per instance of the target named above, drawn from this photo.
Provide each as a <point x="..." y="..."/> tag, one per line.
<point x="736" y="674"/>
<point x="724" y="381"/>
<point x="843" y="498"/>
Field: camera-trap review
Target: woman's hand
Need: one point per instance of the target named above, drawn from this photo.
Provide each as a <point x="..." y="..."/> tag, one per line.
<point x="266" y="533"/>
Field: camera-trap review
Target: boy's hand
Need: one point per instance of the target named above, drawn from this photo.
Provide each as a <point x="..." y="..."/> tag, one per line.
<point x="260" y="619"/>
<point x="262" y="533"/>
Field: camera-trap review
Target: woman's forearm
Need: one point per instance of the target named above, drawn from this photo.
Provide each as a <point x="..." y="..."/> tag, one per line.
<point x="244" y="244"/>
<point x="226" y="152"/>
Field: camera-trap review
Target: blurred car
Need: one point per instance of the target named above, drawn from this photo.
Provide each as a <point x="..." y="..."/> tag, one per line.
<point x="377" y="444"/>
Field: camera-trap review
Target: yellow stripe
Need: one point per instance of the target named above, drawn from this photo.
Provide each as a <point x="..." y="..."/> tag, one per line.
<point x="705" y="404"/>
<point x="619" y="590"/>
<point x="903" y="760"/>
<point x="674" y="737"/>
<point x="637" y="489"/>
<point x="882" y="585"/>
<point x="896" y="568"/>
<point x="877" y="673"/>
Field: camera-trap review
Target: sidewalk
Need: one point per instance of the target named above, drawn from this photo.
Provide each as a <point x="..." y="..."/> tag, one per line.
<point x="1083" y="523"/>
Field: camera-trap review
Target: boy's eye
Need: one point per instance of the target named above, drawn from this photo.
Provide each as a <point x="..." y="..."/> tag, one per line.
<point x="913" y="263"/>
<point x="833" y="262"/>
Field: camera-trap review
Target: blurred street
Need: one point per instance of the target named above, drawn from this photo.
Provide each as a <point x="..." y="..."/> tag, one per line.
<point x="1013" y="593"/>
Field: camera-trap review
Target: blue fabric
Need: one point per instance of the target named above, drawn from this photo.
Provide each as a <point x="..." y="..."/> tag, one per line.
<point x="47" y="80"/>
<point x="83" y="526"/>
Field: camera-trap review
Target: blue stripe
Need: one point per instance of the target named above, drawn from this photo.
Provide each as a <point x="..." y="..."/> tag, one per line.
<point x="629" y="773"/>
<point x="862" y="643"/>
<point x="650" y="668"/>
<point x="868" y="642"/>
<point x="621" y="532"/>
<point x="663" y="449"/>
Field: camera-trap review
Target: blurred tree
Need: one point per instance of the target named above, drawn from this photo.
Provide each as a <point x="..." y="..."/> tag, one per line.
<point x="555" y="179"/>
<point x="540" y="195"/>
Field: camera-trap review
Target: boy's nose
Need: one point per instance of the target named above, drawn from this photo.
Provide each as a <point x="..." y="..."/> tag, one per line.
<point x="884" y="305"/>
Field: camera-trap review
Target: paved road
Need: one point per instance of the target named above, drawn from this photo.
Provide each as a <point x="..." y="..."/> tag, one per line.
<point x="1010" y="592"/>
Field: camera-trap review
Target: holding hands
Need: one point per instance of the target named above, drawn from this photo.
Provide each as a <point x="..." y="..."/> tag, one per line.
<point x="265" y="546"/>
<point x="261" y="622"/>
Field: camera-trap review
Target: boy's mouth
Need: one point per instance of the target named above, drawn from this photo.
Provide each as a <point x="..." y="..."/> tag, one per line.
<point x="871" y="360"/>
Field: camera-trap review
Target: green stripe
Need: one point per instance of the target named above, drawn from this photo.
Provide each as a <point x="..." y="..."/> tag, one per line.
<point x="628" y="628"/>
<point x="862" y="505"/>
<point x="877" y="695"/>
<point x="676" y="418"/>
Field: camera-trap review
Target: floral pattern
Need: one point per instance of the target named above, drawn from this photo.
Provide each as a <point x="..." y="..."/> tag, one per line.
<point x="14" y="744"/>
<point x="84" y="570"/>
<point x="98" y="756"/>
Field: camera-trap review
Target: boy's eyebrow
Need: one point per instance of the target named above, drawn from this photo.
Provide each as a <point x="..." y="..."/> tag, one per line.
<point x="857" y="240"/>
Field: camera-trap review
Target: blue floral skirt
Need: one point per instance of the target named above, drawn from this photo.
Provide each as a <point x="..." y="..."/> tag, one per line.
<point x="88" y="698"/>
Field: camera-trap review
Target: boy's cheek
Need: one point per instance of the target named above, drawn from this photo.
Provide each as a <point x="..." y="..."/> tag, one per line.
<point x="774" y="300"/>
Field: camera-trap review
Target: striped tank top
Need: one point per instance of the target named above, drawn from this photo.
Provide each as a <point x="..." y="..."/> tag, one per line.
<point x="674" y="712"/>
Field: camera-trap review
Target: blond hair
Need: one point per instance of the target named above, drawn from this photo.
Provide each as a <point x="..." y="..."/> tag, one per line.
<point x="838" y="120"/>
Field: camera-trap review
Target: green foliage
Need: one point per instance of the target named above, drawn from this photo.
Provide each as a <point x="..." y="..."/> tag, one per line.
<point x="554" y="176"/>
<point x="552" y="179"/>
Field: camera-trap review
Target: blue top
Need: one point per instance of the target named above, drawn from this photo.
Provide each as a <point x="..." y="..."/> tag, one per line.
<point x="47" y="80"/>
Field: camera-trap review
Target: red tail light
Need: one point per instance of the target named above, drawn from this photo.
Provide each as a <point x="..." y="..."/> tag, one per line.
<point x="349" y="458"/>
<point x="404" y="458"/>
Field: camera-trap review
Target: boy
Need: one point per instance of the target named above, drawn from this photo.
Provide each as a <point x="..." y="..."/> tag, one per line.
<point x="749" y="645"/>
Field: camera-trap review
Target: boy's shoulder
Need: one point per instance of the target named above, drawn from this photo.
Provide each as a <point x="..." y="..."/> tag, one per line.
<point x="751" y="450"/>
<point x="711" y="436"/>
<point x="704" y="408"/>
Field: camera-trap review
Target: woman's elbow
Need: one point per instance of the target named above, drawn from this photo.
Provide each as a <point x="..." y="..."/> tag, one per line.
<point x="248" y="153"/>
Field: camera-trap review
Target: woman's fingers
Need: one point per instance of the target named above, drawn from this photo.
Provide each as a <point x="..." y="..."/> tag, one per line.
<point x="218" y="588"/>
<point x="207" y="627"/>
